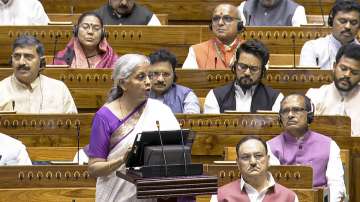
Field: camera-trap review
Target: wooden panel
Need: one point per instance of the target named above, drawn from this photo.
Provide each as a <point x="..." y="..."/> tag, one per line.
<point x="146" y="39"/>
<point x="51" y="153"/>
<point x="48" y="195"/>
<point x="73" y="18"/>
<point x="178" y="10"/>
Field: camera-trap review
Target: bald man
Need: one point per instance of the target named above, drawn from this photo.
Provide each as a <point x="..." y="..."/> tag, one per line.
<point x="272" y="13"/>
<point x="218" y="52"/>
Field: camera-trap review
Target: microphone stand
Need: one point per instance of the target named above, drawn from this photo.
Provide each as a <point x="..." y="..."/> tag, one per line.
<point x="322" y="12"/>
<point x="55" y="44"/>
<point x="162" y="148"/>
<point x="183" y="147"/>
<point x="78" y="142"/>
<point x="294" y="57"/>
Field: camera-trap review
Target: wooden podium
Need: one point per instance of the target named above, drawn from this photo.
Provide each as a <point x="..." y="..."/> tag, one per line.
<point x="165" y="187"/>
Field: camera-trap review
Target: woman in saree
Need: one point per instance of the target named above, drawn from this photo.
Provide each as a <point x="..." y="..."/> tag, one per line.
<point x="88" y="48"/>
<point x="128" y="112"/>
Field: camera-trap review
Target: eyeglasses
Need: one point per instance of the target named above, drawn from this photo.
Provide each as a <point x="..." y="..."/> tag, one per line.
<point x="244" y="67"/>
<point x="247" y="157"/>
<point x="227" y="19"/>
<point x="295" y="110"/>
<point x="27" y="56"/>
<point x="346" y="68"/>
<point x="155" y="75"/>
<point x="87" y="27"/>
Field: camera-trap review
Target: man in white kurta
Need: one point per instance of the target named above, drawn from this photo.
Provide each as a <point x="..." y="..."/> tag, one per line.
<point x="12" y="152"/>
<point x="27" y="91"/>
<point x="341" y="97"/>
<point x="345" y="26"/>
<point x="22" y="12"/>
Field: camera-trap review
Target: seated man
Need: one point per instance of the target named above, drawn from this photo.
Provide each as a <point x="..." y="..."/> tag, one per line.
<point x="163" y="87"/>
<point x="299" y="145"/>
<point x="247" y="93"/>
<point x="342" y="96"/>
<point x="344" y="18"/>
<point x="256" y="183"/>
<point x="126" y="12"/>
<point x="272" y="13"/>
<point x="27" y="91"/>
<point x="20" y="12"/>
<point x="88" y="48"/>
<point x="219" y="52"/>
<point x="12" y="152"/>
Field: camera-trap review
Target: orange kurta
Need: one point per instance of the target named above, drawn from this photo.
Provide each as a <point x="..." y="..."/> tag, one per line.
<point x="212" y="54"/>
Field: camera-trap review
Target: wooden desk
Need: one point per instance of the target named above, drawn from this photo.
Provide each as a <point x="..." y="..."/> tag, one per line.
<point x="146" y="39"/>
<point x="89" y="88"/>
<point x="187" y="11"/>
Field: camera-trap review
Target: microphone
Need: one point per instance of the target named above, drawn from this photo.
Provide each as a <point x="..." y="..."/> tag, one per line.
<point x="322" y="12"/>
<point x="13" y="105"/>
<point x="55" y="44"/>
<point x="248" y="23"/>
<point x="183" y="147"/>
<point x="215" y="61"/>
<point x="78" y="142"/>
<point x="162" y="147"/>
<point x="317" y="61"/>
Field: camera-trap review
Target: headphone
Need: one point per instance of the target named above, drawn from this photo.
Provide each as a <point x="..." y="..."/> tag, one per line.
<point x="42" y="64"/>
<point x="240" y="26"/>
<point x="233" y="65"/>
<point x="76" y="32"/>
<point x="310" y="114"/>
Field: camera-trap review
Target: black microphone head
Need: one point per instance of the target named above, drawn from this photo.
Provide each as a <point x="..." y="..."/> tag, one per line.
<point x="157" y="124"/>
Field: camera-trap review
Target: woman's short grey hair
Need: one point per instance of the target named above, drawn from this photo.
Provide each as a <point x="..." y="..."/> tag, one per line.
<point x="123" y="68"/>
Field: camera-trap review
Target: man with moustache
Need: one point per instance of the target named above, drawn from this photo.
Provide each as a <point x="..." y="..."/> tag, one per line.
<point x="20" y="12"/>
<point x="272" y="13"/>
<point x="218" y="52"/>
<point x="342" y="96"/>
<point x="163" y="87"/>
<point x="256" y="183"/>
<point x="246" y="93"/>
<point x="26" y="90"/>
<point x="344" y="18"/>
<point x="126" y="12"/>
<point x="298" y="145"/>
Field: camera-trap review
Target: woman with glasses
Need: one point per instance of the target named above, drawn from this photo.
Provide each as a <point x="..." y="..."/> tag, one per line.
<point x="88" y="48"/>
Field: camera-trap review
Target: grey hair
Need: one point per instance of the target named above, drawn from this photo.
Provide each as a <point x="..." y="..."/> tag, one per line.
<point x="123" y="68"/>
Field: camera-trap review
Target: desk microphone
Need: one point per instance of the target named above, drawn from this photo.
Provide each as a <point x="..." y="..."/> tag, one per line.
<point x="215" y="62"/>
<point x="55" y="44"/>
<point x="248" y="23"/>
<point x="78" y="142"/>
<point x="162" y="147"/>
<point x="183" y="147"/>
<point x="322" y="12"/>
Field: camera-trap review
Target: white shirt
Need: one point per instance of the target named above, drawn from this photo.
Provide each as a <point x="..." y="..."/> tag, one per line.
<point x="154" y="21"/>
<point x="243" y="101"/>
<point x="46" y="95"/>
<point x="328" y="100"/>
<point x="23" y="12"/>
<point x="320" y="52"/>
<point x="252" y="193"/>
<point x="299" y="17"/>
<point x="12" y="152"/>
<point x="334" y="172"/>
